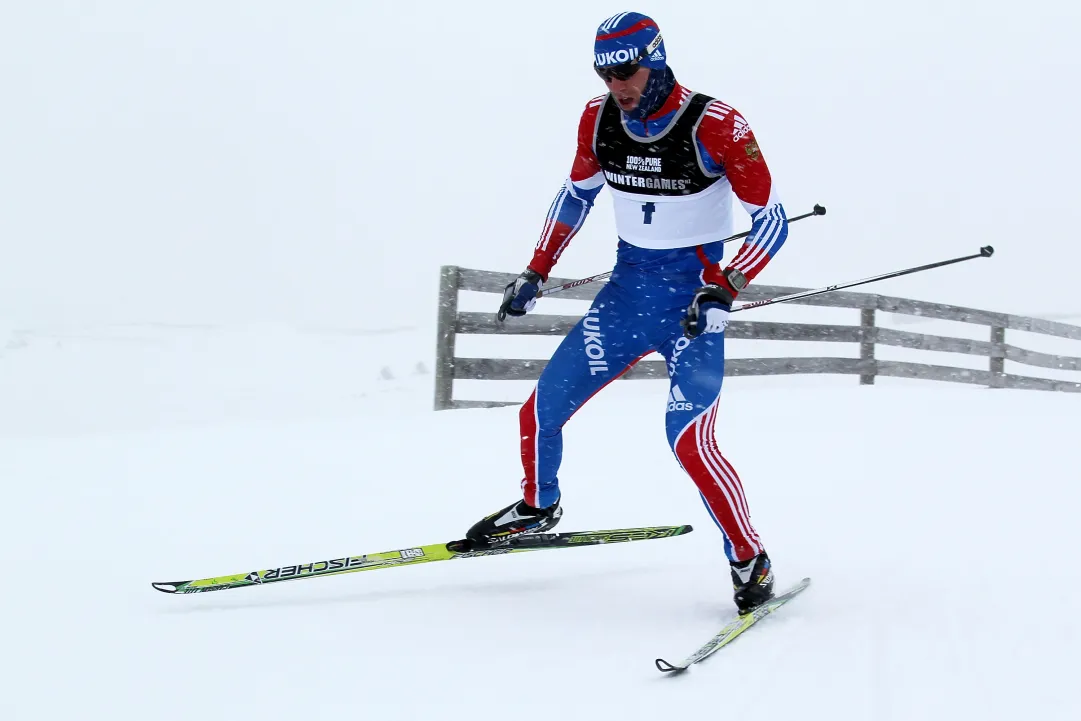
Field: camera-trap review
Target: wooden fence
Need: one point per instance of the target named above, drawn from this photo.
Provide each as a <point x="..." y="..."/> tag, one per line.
<point x="451" y="323"/>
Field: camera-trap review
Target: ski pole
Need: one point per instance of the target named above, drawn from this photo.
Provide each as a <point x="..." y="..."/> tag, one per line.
<point x="985" y="252"/>
<point x="818" y="210"/>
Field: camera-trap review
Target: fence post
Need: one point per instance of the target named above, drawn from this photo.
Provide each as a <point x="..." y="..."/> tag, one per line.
<point x="998" y="357"/>
<point x="449" y="278"/>
<point x="867" y="344"/>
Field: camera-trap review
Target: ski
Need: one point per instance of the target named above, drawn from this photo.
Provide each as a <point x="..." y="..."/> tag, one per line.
<point x="733" y="630"/>
<point x="420" y="554"/>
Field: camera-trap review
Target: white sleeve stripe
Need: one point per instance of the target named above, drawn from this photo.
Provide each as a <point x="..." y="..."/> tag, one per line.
<point x="754" y="245"/>
<point x="769" y="215"/>
<point x="596" y="181"/>
<point x="574" y="231"/>
<point x="545" y="234"/>
<point x="553" y="213"/>
<point x="566" y="241"/>
<point x="764" y="256"/>
<point x="776" y="224"/>
<point x="555" y="201"/>
<point x="555" y="217"/>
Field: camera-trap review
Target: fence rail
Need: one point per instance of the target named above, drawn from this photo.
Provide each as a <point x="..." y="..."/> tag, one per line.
<point x="867" y="335"/>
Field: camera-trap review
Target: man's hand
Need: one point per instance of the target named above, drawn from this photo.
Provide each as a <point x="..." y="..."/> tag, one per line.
<point x="520" y="296"/>
<point x="708" y="312"/>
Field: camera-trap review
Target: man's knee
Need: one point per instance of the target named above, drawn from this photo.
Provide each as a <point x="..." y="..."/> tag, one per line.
<point x="679" y="418"/>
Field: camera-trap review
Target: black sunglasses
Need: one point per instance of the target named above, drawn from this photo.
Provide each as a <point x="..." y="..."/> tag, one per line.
<point x="623" y="71"/>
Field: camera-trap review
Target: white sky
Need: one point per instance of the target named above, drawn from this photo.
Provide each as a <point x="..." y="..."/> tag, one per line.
<point x="318" y="162"/>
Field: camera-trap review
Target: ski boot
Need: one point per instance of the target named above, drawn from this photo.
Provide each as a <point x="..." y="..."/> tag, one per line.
<point x="753" y="582"/>
<point x="514" y="520"/>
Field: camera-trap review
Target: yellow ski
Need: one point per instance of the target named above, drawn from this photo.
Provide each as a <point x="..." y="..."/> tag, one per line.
<point x="419" y="554"/>
<point x="733" y="630"/>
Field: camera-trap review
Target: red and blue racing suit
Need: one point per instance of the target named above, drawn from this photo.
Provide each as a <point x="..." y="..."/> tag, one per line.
<point x="657" y="270"/>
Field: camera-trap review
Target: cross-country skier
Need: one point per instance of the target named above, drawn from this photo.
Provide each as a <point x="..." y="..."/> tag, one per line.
<point x="672" y="159"/>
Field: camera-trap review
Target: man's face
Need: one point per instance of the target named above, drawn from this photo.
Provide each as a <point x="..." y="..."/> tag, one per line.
<point x="628" y="93"/>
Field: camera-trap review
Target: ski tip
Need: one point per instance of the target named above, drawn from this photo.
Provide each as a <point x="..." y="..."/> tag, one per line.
<point x="170" y="587"/>
<point x="665" y="667"/>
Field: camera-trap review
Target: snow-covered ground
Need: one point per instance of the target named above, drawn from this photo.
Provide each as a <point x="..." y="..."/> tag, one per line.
<point x="937" y="522"/>
<point x="220" y="232"/>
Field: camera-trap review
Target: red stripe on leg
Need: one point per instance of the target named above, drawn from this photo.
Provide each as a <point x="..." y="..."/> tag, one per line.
<point x="725" y="508"/>
<point x="728" y="475"/>
<point x="527" y="423"/>
<point x="732" y="493"/>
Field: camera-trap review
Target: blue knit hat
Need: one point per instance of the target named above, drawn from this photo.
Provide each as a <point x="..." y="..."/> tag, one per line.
<point x="626" y="36"/>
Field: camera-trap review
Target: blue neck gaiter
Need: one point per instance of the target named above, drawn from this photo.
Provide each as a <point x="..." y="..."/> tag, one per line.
<point x="659" y="86"/>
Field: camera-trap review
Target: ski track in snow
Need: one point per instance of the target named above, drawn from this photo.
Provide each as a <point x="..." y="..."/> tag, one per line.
<point x="937" y="523"/>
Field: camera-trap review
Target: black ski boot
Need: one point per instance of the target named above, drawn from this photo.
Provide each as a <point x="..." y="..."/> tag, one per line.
<point x="514" y="520"/>
<point x="753" y="582"/>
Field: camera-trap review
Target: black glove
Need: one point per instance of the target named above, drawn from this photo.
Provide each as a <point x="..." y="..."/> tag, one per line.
<point x="708" y="312"/>
<point x="520" y="296"/>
